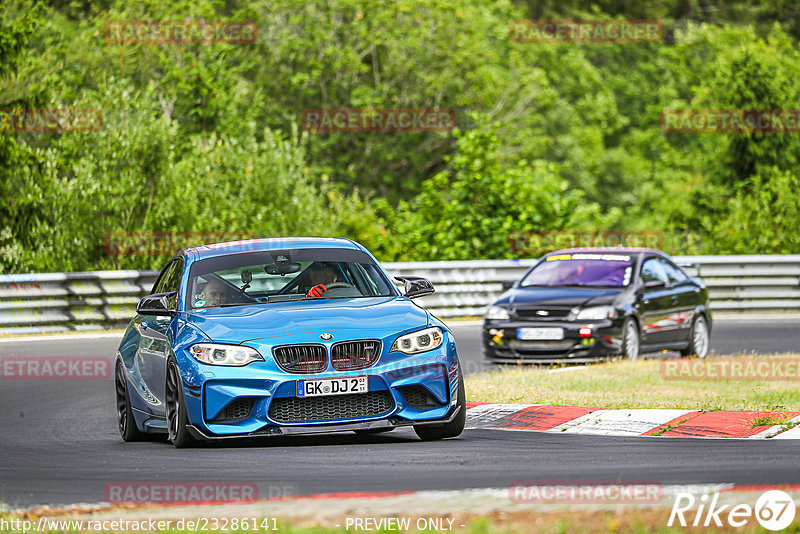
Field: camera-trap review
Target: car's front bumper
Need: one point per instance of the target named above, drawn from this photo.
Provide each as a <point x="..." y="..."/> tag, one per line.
<point x="501" y="343"/>
<point x="301" y="430"/>
<point x="396" y="383"/>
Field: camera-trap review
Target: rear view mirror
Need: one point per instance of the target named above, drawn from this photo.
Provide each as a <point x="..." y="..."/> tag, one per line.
<point x="416" y="286"/>
<point x="156" y="304"/>
<point x="282" y="268"/>
<point x="507" y="284"/>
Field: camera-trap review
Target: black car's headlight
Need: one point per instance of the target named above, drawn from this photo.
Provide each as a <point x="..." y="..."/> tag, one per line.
<point x="420" y="341"/>
<point x="496" y="312"/>
<point x="230" y="355"/>
<point x="593" y="313"/>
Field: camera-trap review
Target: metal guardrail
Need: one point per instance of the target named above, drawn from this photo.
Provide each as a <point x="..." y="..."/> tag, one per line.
<point x="53" y="302"/>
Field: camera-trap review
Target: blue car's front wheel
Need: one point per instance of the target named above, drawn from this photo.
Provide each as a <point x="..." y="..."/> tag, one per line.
<point x="177" y="418"/>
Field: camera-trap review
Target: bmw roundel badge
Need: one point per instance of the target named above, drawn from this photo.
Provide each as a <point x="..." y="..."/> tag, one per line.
<point x="325" y="336"/>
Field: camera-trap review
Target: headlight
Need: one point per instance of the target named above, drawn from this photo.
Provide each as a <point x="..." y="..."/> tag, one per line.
<point x="595" y="313"/>
<point x="496" y="312"/>
<point x="420" y="341"/>
<point x="231" y="355"/>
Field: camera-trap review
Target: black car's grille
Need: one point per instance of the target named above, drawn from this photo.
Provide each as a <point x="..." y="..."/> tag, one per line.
<point x="537" y="353"/>
<point x="539" y="345"/>
<point x="350" y="355"/>
<point x="419" y="397"/>
<point x="235" y="411"/>
<point x="296" y="409"/>
<point x="548" y="313"/>
<point x="301" y="358"/>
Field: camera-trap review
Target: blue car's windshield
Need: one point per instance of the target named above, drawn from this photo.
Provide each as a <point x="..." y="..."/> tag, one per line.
<point x="606" y="270"/>
<point x="285" y="275"/>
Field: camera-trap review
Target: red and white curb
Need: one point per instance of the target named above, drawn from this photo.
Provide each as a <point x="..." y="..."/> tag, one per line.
<point x="599" y="421"/>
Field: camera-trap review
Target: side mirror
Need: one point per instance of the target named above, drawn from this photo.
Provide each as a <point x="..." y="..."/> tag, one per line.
<point x="507" y="284"/>
<point x="416" y="286"/>
<point x="156" y="304"/>
<point x="654" y="284"/>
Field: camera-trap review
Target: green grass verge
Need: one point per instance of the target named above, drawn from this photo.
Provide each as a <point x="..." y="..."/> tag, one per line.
<point x="625" y="384"/>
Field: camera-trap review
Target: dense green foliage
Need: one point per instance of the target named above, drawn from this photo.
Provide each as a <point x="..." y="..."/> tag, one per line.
<point x="201" y="140"/>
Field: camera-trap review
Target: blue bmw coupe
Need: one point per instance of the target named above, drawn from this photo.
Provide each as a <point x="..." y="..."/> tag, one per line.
<point x="285" y="336"/>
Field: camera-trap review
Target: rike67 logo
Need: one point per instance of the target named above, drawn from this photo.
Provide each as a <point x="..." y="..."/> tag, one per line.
<point x="774" y="510"/>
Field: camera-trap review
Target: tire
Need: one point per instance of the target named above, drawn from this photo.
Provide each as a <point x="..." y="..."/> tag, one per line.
<point x="698" y="339"/>
<point x="451" y="429"/>
<point x="631" y="341"/>
<point x="125" y="421"/>
<point x="177" y="418"/>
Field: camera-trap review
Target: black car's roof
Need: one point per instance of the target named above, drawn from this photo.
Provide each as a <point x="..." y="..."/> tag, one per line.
<point x="623" y="250"/>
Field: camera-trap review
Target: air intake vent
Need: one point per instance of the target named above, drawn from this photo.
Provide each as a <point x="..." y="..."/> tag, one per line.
<point x="350" y="355"/>
<point x="418" y="397"/>
<point x="236" y="410"/>
<point x="549" y="313"/>
<point x="301" y="358"/>
<point x="298" y="409"/>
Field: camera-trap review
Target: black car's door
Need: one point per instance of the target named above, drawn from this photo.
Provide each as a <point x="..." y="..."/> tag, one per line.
<point x="155" y="340"/>
<point x="686" y="296"/>
<point x="655" y="303"/>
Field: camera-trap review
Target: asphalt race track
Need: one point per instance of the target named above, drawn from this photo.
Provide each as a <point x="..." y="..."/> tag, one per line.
<point x="59" y="443"/>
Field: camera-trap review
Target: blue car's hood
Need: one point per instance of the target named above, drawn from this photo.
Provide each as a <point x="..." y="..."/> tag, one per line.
<point x="381" y="316"/>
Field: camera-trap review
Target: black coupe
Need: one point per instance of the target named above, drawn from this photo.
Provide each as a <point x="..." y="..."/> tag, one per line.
<point x="578" y="305"/>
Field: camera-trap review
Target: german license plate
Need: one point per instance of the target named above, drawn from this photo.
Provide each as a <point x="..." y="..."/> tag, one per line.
<point x="550" y="334"/>
<point x="331" y="386"/>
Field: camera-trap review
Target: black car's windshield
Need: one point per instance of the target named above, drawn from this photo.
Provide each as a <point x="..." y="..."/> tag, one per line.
<point x="285" y="275"/>
<point x="605" y="270"/>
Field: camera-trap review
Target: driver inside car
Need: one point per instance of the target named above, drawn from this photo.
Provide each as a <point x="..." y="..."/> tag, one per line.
<point x="214" y="293"/>
<point x="320" y="276"/>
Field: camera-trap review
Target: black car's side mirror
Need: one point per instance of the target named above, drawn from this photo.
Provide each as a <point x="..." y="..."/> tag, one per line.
<point x="416" y="286"/>
<point x="507" y="284"/>
<point x="156" y="304"/>
<point x="654" y="284"/>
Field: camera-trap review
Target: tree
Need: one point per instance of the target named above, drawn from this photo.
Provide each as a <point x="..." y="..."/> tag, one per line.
<point x="473" y="209"/>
